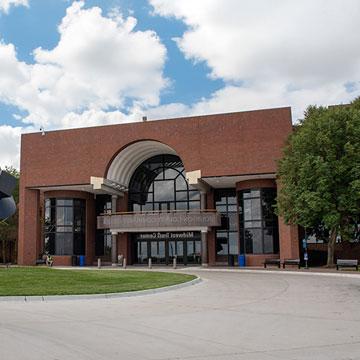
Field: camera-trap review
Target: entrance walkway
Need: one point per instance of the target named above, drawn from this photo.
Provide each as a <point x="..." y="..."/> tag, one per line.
<point x="229" y="315"/>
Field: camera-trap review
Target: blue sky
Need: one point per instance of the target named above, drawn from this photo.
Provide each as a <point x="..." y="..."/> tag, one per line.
<point x="30" y="27"/>
<point x="66" y="64"/>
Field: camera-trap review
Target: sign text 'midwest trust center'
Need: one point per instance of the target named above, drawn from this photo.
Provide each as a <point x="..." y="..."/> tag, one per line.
<point x="167" y="235"/>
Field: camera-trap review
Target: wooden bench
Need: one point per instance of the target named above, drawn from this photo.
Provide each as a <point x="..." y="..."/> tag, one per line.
<point x="291" y="262"/>
<point x="347" y="263"/>
<point x="275" y="262"/>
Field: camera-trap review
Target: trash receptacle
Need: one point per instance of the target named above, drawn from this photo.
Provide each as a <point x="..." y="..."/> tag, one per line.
<point x="241" y="260"/>
<point x="82" y="260"/>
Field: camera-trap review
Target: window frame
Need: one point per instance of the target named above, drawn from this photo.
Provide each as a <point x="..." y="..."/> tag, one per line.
<point x="151" y="173"/>
<point x="263" y="224"/>
<point x="54" y="230"/>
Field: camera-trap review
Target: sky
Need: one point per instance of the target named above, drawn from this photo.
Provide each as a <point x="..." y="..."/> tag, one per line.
<point x="69" y="64"/>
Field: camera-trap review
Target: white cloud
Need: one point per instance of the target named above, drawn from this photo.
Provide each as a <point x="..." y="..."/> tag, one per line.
<point x="6" y="4"/>
<point x="271" y="53"/>
<point x="100" y="70"/>
<point x="9" y="145"/>
<point x="100" y="64"/>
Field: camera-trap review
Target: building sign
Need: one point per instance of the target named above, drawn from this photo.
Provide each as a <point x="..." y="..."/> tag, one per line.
<point x="167" y="235"/>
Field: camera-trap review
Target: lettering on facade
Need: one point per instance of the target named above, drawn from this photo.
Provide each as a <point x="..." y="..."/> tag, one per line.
<point x="166" y="235"/>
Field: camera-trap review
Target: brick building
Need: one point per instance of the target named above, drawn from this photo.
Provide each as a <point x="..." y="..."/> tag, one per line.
<point x="200" y="189"/>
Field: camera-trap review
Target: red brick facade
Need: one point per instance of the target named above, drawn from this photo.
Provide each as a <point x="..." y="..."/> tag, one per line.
<point x="235" y="144"/>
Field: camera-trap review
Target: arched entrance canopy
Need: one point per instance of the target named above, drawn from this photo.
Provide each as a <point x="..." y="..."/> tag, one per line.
<point x="127" y="160"/>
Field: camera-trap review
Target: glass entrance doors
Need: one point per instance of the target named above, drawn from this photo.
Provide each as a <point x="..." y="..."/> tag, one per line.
<point x="162" y="248"/>
<point x="193" y="252"/>
<point x="157" y="251"/>
<point x="176" y="249"/>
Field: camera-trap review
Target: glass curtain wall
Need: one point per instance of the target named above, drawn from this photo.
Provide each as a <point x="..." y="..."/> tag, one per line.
<point x="64" y="226"/>
<point x="227" y="238"/>
<point x="103" y="237"/>
<point x="159" y="183"/>
<point x="259" y="233"/>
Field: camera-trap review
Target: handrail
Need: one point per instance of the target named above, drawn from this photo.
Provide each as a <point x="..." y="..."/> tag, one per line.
<point x="158" y="212"/>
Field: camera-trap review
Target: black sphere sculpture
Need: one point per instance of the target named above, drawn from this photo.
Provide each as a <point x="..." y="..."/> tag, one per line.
<point x="7" y="203"/>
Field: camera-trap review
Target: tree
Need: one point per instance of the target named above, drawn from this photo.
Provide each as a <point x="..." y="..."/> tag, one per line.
<point x="320" y="172"/>
<point x="9" y="227"/>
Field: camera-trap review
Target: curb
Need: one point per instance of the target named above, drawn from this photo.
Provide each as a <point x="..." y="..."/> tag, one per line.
<point x="35" y="298"/>
<point x="280" y="272"/>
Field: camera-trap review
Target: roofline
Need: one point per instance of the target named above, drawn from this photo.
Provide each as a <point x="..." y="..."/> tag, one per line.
<point x="193" y="117"/>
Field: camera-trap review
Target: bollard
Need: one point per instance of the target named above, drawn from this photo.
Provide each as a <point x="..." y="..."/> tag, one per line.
<point x="124" y="263"/>
<point x="99" y="263"/>
<point x="306" y="258"/>
<point x="174" y="262"/>
<point x="150" y="263"/>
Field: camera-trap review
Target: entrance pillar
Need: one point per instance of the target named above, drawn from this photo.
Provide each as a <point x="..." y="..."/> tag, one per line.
<point x="204" y="252"/>
<point x="204" y="243"/>
<point x="113" y="235"/>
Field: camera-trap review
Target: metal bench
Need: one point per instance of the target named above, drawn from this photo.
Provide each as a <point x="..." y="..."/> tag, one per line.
<point x="275" y="262"/>
<point x="347" y="263"/>
<point x="40" y="262"/>
<point x="291" y="262"/>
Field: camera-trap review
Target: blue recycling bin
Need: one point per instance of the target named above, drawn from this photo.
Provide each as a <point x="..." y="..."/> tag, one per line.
<point x="82" y="260"/>
<point x="241" y="260"/>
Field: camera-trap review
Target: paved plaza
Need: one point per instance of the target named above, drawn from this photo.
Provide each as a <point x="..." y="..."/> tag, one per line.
<point x="229" y="315"/>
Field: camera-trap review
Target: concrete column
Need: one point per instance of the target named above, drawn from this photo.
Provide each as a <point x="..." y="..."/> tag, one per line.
<point x="113" y="235"/>
<point x="204" y="252"/>
<point x="204" y="242"/>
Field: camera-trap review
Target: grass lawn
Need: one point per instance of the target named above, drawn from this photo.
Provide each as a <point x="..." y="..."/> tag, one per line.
<point x="45" y="281"/>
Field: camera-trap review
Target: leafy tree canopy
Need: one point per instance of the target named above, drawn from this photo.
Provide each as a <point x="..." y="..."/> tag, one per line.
<point x="320" y="170"/>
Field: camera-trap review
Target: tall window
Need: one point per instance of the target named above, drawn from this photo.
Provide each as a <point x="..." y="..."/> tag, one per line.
<point x="159" y="183"/>
<point x="64" y="226"/>
<point x="259" y="232"/>
<point x="103" y="236"/>
<point x="227" y="235"/>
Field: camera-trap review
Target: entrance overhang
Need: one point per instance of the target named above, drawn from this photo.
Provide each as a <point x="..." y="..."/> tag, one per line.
<point x="107" y="186"/>
<point x="199" y="220"/>
<point x="97" y="186"/>
<point x="161" y="230"/>
<point x="203" y="183"/>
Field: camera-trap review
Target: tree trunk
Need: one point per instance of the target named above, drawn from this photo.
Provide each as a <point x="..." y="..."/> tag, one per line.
<point x="331" y="248"/>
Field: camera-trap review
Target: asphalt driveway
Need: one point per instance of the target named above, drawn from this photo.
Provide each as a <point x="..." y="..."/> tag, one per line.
<point x="230" y="315"/>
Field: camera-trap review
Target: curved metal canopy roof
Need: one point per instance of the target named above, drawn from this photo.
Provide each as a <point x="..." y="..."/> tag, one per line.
<point x="127" y="161"/>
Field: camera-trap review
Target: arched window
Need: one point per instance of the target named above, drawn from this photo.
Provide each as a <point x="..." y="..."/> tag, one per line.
<point x="159" y="183"/>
